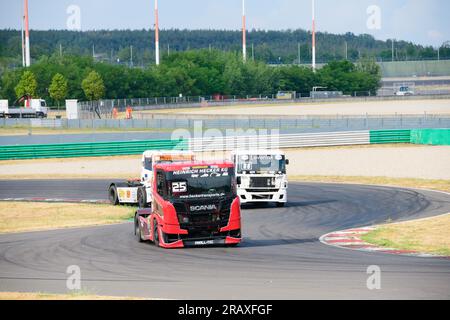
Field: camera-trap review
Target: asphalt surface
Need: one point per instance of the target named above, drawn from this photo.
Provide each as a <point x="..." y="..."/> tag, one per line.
<point x="280" y="258"/>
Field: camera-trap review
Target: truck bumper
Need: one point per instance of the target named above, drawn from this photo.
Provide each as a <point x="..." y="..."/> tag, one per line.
<point x="279" y="195"/>
<point x="230" y="237"/>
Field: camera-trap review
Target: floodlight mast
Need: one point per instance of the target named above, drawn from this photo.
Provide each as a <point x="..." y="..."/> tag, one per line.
<point x="27" y="35"/>
<point x="313" y="35"/>
<point x="156" y="34"/>
<point x="244" y="33"/>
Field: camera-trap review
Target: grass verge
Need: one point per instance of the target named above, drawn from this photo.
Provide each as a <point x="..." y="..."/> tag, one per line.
<point x="426" y="235"/>
<point x="34" y="216"/>
<point x="48" y="296"/>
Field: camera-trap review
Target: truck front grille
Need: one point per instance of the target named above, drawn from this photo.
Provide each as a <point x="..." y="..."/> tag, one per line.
<point x="204" y="220"/>
<point x="262" y="182"/>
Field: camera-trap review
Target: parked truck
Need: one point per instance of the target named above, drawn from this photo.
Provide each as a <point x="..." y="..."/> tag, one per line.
<point x="261" y="176"/>
<point x="140" y="191"/>
<point x="193" y="204"/>
<point x="37" y="109"/>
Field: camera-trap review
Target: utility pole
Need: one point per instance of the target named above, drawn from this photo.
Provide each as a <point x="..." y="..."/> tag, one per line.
<point x="313" y="35"/>
<point x="93" y="51"/>
<point x="131" y="56"/>
<point x="392" y="40"/>
<point x="156" y="34"/>
<point x="244" y="35"/>
<point x="253" y="52"/>
<point x="27" y="35"/>
<point x="346" y="50"/>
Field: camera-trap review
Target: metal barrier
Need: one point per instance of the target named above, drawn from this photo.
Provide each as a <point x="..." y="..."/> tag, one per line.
<point x="94" y="149"/>
<point x="280" y="141"/>
<point x="304" y="124"/>
<point x="283" y="141"/>
<point x="390" y="136"/>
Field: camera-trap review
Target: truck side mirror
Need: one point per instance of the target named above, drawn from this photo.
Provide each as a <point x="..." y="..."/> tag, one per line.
<point x="287" y="161"/>
<point x="238" y="180"/>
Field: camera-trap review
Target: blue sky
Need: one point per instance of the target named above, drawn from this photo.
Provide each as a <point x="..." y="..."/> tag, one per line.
<point x="421" y="21"/>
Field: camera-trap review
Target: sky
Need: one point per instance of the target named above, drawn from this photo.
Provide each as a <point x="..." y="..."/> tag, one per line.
<point x="425" y="22"/>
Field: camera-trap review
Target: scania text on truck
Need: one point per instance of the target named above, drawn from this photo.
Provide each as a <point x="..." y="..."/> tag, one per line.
<point x="261" y="176"/>
<point x="140" y="191"/>
<point x="194" y="204"/>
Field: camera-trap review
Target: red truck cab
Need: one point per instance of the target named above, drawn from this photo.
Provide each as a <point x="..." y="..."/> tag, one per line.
<point x="194" y="204"/>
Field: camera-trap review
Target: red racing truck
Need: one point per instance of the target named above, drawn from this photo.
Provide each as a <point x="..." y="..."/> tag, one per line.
<point x="194" y="204"/>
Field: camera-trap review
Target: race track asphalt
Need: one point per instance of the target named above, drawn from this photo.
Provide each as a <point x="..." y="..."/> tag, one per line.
<point x="280" y="258"/>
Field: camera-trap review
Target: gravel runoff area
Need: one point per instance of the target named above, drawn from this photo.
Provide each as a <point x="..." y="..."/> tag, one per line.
<point x="410" y="107"/>
<point x="421" y="162"/>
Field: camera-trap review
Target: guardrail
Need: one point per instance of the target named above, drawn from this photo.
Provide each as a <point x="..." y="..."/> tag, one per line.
<point x="94" y="149"/>
<point x="390" y="136"/>
<point x="283" y="141"/>
<point x="279" y="141"/>
<point x="92" y="109"/>
<point x="301" y="124"/>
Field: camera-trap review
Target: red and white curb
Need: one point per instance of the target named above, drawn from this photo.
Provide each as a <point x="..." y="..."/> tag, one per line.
<point x="37" y="199"/>
<point x="351" y="239"/>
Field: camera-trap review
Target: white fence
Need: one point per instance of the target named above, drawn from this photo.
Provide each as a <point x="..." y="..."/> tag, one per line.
<point x="282" y="141"/>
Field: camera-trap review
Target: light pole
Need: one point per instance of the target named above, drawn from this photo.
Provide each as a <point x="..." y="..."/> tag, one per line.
<point x="27" y="36"/>
<point x="244" y="35"/>
<point x="156" y="34"/>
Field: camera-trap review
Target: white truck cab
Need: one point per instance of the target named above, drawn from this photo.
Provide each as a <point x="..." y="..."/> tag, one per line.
<point x="261" y="176"/>
<point x="404" y="91"/>
<point x="34" y="108"/>
<point x="140" y="191"/>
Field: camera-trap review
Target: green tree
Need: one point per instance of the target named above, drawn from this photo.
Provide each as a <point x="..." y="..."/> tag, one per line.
<point x="58" y="88"/>
<point x="93" y="86"/>
<point x="26" y="85"/>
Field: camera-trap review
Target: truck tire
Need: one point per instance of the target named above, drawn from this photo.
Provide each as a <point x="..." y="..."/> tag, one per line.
<point x="137" y="229"/>
<point x="281" y="204"/>
<point x="142" y="198"/>
<point x="155" y="233"/>
<point x="112" y="195"/>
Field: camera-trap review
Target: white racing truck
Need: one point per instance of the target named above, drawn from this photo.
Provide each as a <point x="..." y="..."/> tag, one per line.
<point x="261" y="176"/>
<point x="37" y="109"/>
<point x="139" y="191"/>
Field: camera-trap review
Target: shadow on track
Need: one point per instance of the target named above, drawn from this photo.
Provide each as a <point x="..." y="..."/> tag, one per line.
<point x="252" y="243"/>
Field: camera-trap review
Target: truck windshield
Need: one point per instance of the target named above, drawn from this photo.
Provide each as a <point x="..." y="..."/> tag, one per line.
<point x="200" y="183"/>
<point x="253" y="164"/>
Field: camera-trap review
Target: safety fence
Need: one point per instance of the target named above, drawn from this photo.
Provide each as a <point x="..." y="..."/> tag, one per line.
<point x="301" y="124"/>
<point x="219" y="143"/>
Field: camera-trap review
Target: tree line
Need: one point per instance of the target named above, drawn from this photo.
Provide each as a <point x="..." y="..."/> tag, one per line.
<point x="190" y="73"/>
<point x="275" y="47"/>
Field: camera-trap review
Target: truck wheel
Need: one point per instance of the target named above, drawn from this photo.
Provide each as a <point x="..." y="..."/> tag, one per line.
<point x="280" y="204"/>
<point x="155" y="233"/>
<point x="142" y="198"/>
<point x="112" y="193"/>
<point x="137" y="229"/>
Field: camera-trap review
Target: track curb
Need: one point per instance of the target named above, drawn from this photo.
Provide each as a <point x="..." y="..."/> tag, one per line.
<point x="351" y="238"/>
